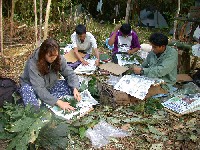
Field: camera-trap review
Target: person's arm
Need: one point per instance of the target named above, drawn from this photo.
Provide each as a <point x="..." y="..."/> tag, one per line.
<point x="76" y="94"/>
<point x="68" y="73"/>
<point x="167" y="65"/>
<point x="75" y="49"/>
<point x="97" y="56"/>
<point x="113" y="36"/>
<point x="94" y="45"/>
<point x="64" y="105"/>
<point x="135" y="44"/>
<point x="133" y="50"/>
<point x="82" y="60"/>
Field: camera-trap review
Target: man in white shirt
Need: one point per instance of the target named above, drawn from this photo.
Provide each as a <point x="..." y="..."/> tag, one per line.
<point x="84" y="42"/>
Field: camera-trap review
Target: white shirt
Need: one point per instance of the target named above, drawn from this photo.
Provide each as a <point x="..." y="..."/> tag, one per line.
<point x="87" y="45"/>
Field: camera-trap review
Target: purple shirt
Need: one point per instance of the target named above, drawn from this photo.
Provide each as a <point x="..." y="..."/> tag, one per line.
<point x="134" y="42"/>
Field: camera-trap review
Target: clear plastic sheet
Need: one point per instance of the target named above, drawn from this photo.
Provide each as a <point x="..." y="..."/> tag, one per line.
<point x="102" y="132"/>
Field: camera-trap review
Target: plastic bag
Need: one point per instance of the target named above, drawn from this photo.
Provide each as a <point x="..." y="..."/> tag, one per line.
<point x="102" y="132"/>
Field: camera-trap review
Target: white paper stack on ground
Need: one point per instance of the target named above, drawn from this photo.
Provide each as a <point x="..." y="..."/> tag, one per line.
<point x="134" y="85"/>
<point x="86" y="104"/>
<point x="183" y="104"/>
<point x="113" y="80"/>
<point x="122" y="62"/>
<point x="86" y="69"/>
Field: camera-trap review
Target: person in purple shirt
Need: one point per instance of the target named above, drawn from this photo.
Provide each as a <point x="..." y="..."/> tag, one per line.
<point x="124" y="40"/>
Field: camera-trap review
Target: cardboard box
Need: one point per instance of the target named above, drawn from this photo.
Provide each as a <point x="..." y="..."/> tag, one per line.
<point x="70" y="56"/>
<point x="110" y="96"/>
<point x="183" y="78"/>
<point x="113" y="68"/>
<point x="122" y="98"/>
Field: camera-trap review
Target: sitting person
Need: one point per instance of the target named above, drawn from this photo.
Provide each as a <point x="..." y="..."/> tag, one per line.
<point x="84" y="42"/>
<point x="161" y="62"/>
<point x="40" y="78"/>
<point x="124" y="40"/>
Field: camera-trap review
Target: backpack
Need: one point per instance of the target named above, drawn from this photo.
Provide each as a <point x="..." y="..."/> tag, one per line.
<point x="7" y="88"/>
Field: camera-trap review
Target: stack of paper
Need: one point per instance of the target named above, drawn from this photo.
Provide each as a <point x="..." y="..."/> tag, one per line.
<point x="86" y="69"/>
<point x="183" y="104"/>
<point x="134" y="85"/>
<point x="85" y="105"/>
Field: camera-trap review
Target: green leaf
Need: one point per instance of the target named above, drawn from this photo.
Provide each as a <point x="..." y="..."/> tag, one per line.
<point x="28" y="131"/>
<point x="82" y="131"/>
<point x="22" y="124"/>
<point x="83" y="86"/>
<point x="154" y="130"/>
<point x="132" y="120"/>
<point x="113" y="120"/>
<point x="104" y="57"/>
<point x="193" y="137"/>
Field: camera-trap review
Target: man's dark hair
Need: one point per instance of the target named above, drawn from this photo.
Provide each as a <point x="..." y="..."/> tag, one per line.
<point x="158" y="39"/>
<point x="125" y="29"/>
<point x="80" y="29"/>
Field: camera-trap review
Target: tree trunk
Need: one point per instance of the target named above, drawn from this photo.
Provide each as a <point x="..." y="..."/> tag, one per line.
<point x="46" y="20"/>
<point x="71" y="17"/>
<point x="36" y="30"/>
<point x="135" y="12"/>
<point x="40" y="30"/>
<point x="1" y="30"/>
<point x="11" y="20"/>
<point x="175" y="22"/>
<point x="128" y="8"/>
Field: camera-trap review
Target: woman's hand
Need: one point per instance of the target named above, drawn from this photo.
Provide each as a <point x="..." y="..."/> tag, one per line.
<point x="77" y="95"/>
<point x="64" y="105"/>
